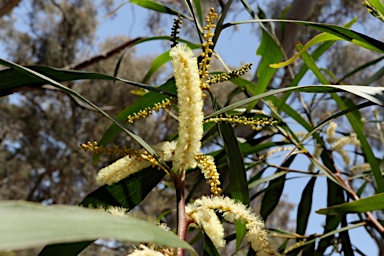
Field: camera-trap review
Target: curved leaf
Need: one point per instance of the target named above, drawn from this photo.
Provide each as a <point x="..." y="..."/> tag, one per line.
<point x="374" y="94"/>
<point x="305" y="207"/>
<point x="126" y="193"/>
<point x="346" y="34"/>
<point x="274" y="191"/>
<point x="14" y="79"/>
<point x="368" y="204"/>
<point x="155" y="6"/>
<point x="25" y="224"/>
<point x="321" y="38"/>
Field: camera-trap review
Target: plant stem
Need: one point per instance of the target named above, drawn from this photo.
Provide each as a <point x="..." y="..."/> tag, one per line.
<point x="182" y="222"/>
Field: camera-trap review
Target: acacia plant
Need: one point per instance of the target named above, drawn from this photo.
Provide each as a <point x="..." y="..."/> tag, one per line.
<point x="234" y="168"/>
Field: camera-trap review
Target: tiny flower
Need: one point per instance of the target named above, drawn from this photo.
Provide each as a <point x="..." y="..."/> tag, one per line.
<point x="145" y="251"/>
<point x="117" y="211"/>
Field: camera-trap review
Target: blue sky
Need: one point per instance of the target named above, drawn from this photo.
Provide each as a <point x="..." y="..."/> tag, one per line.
<point x="235" y="48"/>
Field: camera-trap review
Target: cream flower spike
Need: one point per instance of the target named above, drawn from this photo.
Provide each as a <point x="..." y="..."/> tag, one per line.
<point x="232" y="211"/>
<point x="208" y="221"/>
<point x="190" y="104"/>
<point x="128" y="165"/>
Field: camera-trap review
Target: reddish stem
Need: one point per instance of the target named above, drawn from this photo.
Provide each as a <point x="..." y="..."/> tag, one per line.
<point x="182" y="223"/>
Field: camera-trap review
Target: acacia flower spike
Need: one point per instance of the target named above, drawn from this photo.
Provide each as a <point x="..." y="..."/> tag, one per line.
<point x="133" y="163"/>
<point x="256" y="234"/>
<point x="190" y="104"/>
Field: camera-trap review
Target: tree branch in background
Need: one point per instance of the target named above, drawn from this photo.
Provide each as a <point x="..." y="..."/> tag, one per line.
<point x="103" y="56"/>
<point x="8" y="6"/>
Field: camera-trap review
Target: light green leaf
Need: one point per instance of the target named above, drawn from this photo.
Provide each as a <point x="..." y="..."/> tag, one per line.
<point x="270" y="53"/>
<point x="368" y="204"/>
<point x="378" y="5"/>
<point x="321" y="38"/>
<point x="126" y="193"/>
<point x="25" y="224"/>
<point x="374" y="94"/>
<point x="155" y="6"/>
<point x="300" y="244"/>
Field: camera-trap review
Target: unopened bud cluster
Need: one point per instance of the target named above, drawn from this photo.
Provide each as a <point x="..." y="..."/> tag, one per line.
<point x="255" y="124"/>
<point x="118" y="151"/>
<point x="207" y="46"/>
<point x="176" y="30"/>
<point x="372" y="10"/>
<point x="228" y="76"/>
<point x="148" y="111"/>
<point x="208" y="168"/>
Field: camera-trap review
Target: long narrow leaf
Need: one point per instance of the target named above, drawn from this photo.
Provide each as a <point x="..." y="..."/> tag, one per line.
<point x="126" y="193"/>
<point x="274" y="191"/>
<point x="305" y="207"/>
<point x="374" y="94"/>
<point x="25" y="224"/>
<point x="368" y="204"/>
<point x="158" y="7"/>
<point x="346" y="34"/>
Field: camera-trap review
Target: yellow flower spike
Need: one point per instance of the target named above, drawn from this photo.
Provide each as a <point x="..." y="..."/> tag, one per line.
<point x="148" y="111"/>
<point x="190" y="103"/>
<point x="232" y="211"/>
<point x="228" y="76"/>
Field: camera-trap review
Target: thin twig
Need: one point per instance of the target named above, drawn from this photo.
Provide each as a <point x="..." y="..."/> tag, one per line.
<point x="102" y="56"/>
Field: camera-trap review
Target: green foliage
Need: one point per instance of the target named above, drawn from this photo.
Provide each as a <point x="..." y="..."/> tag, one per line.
<point x="69" y="223"/>
<point x="242" y="159"/>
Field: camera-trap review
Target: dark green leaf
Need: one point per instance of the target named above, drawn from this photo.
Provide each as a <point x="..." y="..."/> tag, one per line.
<point x="305" y="206"/>
<point x="209" y="247"/>
<point x="343" y="33"/>
<point x="274" y="191"/>
<point x="238" y="186"/>
<point x="345" y="239"/>
<point x="14" y="79"/>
